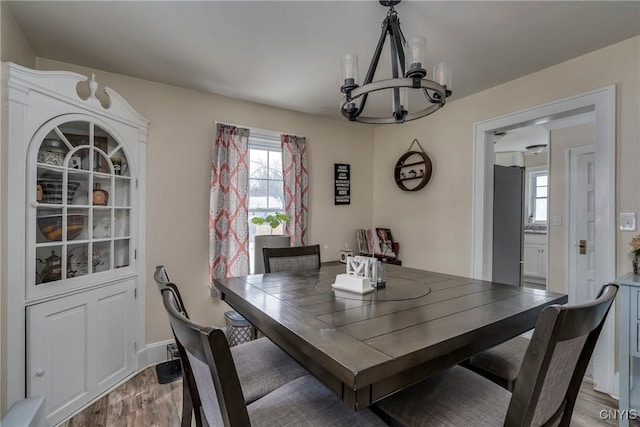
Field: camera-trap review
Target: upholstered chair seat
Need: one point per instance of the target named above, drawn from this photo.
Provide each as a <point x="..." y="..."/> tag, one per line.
<point x="306" y="402"/>
<point x="263" y="367"/>
<point x="453" y="398"/>
<point x="501" y="363"/>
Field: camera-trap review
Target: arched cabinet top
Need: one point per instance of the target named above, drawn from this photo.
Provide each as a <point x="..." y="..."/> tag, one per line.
<point x="68" y="86"/>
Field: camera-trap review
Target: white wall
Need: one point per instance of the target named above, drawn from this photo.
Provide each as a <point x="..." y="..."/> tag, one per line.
<point x="14" y="46"/>
<point x="561" y="141"/>
<point x="433" y="225"/>
<point x="533" y="160"/>
<point x="179" y="161"/>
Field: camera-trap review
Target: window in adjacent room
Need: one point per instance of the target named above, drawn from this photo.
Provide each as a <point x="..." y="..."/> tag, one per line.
<point x="266" y="194"/>
<point x="538" y="191"/>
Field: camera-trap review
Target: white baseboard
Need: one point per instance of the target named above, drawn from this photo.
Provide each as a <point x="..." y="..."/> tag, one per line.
<point x="153" y="353"/>
<point x="616" y="386"/>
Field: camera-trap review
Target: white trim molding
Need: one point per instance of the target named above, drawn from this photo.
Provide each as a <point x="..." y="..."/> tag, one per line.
<point x="153" y="353"/>
<point x="602" y="102"/>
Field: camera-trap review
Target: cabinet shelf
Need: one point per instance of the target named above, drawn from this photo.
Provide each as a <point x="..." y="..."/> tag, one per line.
<point x="409" y="179"/>
<point x="53" y="243"/>
<point x="52" y="168"/>
<point x="404" y="165"/>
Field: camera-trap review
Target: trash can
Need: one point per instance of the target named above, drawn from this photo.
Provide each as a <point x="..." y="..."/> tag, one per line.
<point x="239" y="330"/>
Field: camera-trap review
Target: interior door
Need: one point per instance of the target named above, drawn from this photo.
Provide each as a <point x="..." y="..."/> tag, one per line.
<point x="508" y="214"/>
<point x="582" y="228"/>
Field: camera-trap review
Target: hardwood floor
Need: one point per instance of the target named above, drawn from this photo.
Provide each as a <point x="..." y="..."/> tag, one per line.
<point x="142" y="401"/>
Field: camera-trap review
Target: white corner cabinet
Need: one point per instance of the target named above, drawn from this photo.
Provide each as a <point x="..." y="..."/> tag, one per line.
<point x="74" y="204"/>
<point x="629" y="346"/>
<point x="534" y="252"/>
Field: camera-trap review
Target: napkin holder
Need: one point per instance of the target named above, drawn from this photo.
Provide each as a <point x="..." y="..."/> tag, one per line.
<point x="359" y="277"/>
<point x="347" y="282"/>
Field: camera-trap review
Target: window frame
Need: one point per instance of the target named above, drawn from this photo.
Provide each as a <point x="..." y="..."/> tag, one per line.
<point x="532" y="196"/>
<point x="269" y="142"/>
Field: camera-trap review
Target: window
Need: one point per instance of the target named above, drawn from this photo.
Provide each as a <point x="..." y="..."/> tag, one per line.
<point x="266" y="194"/>
<point x="538" y="191"/>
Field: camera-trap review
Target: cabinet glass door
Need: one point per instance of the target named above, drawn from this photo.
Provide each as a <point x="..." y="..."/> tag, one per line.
<point x="82" y="199"/>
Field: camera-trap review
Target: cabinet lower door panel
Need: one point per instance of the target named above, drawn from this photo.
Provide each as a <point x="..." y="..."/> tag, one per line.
<point x="111" y="335"/>
<point x="58" y="368"/>
<point x="79" y="346"/>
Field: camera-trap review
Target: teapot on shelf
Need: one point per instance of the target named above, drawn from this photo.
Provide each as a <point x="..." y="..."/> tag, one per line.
<point x="52" y="270"/>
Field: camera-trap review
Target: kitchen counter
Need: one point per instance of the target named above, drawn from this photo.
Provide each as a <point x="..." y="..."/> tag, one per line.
<point x="535" y="229"/>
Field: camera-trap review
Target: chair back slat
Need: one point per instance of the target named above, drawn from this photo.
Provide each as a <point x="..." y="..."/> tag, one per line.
<point x="161" y="276"/>
<point x="296" y="258"/>
<point x="214" y="370"/>
<point x="556" y="360"/>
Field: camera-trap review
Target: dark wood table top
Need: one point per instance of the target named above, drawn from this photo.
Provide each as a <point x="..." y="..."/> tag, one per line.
<point x="364" y="347"/>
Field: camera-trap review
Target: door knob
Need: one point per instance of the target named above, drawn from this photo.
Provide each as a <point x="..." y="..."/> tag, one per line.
<point x="583" y="247"/>
<point x="39" y="372"/>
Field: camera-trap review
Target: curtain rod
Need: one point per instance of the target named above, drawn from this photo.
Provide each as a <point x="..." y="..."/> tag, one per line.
<point x="260" y="131"/>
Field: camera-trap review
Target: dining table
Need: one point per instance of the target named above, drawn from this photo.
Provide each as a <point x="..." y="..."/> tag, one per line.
<point x="364" y="347"/>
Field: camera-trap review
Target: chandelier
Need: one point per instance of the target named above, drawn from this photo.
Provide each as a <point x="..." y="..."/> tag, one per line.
<point x="408" y="73"/>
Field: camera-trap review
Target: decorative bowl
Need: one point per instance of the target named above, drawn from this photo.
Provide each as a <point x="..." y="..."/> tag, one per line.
<point x="52" y="190"/>
<point x="51" y="226"/>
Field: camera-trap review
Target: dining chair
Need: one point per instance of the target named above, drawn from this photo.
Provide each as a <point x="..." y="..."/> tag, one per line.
<point x="190" y="401"/>
<point x="295" y="258"/>
<point x="303" y="401"/>
<point x="262" y="365"/>
<point x="544" y="392"/>
<point x="501" y="363"/>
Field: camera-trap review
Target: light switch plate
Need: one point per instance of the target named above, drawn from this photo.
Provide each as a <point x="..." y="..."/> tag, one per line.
<point x="628" y="221"/>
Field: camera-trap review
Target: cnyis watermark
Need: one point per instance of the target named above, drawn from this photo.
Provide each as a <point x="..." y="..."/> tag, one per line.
<point x="617" y="414"/>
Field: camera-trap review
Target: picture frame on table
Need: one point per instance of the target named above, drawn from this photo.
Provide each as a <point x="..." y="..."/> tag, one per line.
<point x="364" y="247"/>
<point x="384" y="242"/>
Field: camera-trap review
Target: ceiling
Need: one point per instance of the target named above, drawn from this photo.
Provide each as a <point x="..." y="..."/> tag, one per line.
<point x="287" y="53"/>
<point x="519" y="139"/>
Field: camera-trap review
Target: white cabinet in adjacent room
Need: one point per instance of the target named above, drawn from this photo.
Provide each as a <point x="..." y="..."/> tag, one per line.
<point x="535" y="258"/>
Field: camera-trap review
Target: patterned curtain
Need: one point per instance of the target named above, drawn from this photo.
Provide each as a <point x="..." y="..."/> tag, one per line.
<point x="228" y="213"/>
<point x="296" y="187"/>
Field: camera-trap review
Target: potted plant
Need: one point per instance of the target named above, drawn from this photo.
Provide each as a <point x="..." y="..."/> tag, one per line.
<point x="633" y="248"/>
<point x="268" y="240"/>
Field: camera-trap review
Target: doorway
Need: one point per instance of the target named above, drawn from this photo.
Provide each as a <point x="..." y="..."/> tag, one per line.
<point x="602" y="103"/>
<point x="520" y="207"/>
